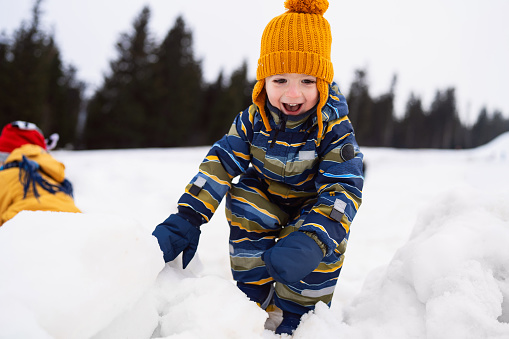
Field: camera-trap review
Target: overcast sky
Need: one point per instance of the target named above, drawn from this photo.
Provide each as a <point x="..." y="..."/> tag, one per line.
<point x="431" y="45"/>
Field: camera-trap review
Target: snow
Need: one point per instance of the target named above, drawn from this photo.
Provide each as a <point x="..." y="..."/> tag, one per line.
<point x="427" y="256"/>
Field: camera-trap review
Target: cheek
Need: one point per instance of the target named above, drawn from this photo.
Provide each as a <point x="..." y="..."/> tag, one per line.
<point x="312" y="97"/>
<point x="273" y="97"/>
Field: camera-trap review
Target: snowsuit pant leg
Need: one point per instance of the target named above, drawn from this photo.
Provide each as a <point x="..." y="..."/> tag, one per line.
<point x="255" y="224"/>
<point x="319" y="285"/>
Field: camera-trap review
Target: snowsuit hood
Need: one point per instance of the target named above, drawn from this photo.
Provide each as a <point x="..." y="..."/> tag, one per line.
<point x="48" y="164"/>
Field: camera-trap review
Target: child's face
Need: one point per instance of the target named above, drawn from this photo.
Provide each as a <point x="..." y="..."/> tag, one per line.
<point x="292" y="93"/>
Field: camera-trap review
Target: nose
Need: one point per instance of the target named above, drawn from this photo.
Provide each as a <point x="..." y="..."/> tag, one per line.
<point x="293" y="90"/>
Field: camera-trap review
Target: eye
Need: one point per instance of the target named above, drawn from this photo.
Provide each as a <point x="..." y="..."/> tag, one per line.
<point x="309" y="81"/>
<point x="279" y="80"/>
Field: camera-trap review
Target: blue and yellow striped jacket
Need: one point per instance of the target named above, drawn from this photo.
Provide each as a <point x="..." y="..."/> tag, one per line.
<point x="293" y="164"/>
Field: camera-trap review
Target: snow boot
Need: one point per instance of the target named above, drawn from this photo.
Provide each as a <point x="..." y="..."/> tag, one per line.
<point x="289" y="323"/>
<point x="275" y="317"/>
<point x="260" y="294"/>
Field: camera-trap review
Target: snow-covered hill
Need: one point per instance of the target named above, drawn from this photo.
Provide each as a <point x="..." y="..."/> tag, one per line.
<point x="427" y="256"/>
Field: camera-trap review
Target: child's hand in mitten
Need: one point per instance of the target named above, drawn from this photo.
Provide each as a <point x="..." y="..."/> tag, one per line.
<point x="293" y="258"/>
<point x="176" y="235"/>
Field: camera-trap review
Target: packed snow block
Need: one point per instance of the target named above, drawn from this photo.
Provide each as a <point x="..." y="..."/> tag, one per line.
<point x="73" y="274"/>
<point x="17" y="321"/>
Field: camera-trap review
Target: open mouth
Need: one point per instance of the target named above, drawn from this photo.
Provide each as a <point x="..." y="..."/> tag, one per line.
<point x="292" y="108"/>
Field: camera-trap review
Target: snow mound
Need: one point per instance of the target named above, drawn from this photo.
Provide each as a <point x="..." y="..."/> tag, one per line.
<point x="69" y="275"/>
<point x="427" y="257"/>
<point x="499" y="143"/>
<point x="495" y="150"/>
<point x="193" y="306"/>
<point x="451" y="280"/>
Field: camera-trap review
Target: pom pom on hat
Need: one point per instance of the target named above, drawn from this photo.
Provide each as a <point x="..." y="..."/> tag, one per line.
<point x="19" y="133"/>
<point x="307" y="6"/>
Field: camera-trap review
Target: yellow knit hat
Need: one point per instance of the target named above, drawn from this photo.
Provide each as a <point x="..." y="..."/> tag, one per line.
<point x="298" y="41"/>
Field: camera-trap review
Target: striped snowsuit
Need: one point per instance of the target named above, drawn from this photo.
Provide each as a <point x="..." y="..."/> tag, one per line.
<point x="288" y="181"/>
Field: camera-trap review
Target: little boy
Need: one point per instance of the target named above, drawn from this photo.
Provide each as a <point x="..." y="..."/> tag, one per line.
<point x="300" y="170"/>
<point x="30" y="178"/>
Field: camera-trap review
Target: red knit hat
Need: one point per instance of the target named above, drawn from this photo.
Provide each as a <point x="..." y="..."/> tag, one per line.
<point x="19" y="133"/>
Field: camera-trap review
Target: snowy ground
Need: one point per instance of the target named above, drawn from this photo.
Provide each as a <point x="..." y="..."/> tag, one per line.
<point x="427" y="257"/>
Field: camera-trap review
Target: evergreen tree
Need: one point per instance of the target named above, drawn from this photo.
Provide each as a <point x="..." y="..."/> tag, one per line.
<point x="499" y="123"/>
<point x="119" y="112"/>
<point x="487" y="127"/>
<point x="213" y="109"/>
<point x="240" y="91"/>
<point x="71" y="90"/>
<point x="35" y="85"/>
<point x="481" y="129"/>
<point x="444" y="121"/>
<point x="5" y="81"/>
<point x="383" y="119"/>
<point x="228" y="102"/>
<point x="361" y="108"/>
<point x="178" y="93"/>
<point x="413" y="127"/>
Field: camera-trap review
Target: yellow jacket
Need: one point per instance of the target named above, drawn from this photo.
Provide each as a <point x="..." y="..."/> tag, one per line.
<point x="12" y="192"/>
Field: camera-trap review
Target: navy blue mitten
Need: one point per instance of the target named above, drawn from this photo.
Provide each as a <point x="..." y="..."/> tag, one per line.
<point x="176" y="235"/>
<point x="292" y="258"/>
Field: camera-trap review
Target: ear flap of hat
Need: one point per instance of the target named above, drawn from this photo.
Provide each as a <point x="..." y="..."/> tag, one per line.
<point x="259" y="97"/>
<point x="323" y="91"/>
